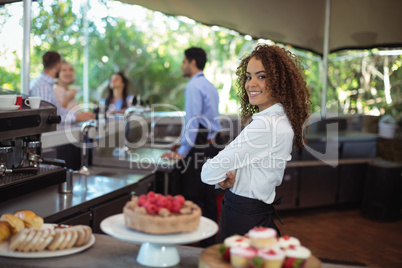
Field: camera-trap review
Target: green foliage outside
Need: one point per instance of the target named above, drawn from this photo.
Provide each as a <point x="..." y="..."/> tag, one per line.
<point x="151" y="58"/>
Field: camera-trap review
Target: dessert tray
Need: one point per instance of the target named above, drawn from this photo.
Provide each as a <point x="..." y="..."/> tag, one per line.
<point x="6" y="252"/>
<point x="163" y="246"/>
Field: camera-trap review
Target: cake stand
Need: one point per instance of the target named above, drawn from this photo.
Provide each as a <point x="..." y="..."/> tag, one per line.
<point x="157" y="250"/>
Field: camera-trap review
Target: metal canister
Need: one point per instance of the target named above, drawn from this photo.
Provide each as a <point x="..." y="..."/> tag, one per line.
<point x="67" y="186"/>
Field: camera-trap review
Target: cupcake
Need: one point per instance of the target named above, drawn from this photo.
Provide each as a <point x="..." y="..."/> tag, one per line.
<point x="272" y="257"/>
<point x="237" y="241"/>
<point x="262" y="237"/>
<point x="296" y="256"/>
<point x="232" y="241"/>
<point x="240" y="257"/>
<point x="285" y="241"/>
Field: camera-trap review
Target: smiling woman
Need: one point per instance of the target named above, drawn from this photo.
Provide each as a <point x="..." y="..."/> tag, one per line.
<point x="256" y="85"/>
<point x="275" y="105"/>
<point x="274" y="75"/>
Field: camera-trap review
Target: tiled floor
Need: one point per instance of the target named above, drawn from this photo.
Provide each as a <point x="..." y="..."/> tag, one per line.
<point x="344" y="235"/>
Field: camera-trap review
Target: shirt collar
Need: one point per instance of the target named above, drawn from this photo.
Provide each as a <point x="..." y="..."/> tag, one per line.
<point x="199" y="74"/>
<point x="48" y="78"/>
<point x="274" y="109"/>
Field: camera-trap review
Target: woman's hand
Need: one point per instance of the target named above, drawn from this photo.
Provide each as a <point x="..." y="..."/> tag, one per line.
<point x="230" y="180"/>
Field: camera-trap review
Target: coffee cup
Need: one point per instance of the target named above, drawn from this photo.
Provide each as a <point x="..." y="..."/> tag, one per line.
<point x="7" y="100"/>
<point x="33" y="102"/>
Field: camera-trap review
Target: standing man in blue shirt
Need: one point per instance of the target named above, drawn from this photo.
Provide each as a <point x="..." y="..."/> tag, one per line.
<point x="201" y="124"/>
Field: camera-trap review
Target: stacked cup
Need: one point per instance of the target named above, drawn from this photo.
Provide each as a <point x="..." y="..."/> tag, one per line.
<point x="7" y="102"/>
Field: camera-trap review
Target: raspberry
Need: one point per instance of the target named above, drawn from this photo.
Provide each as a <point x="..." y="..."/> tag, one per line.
<point x="168" y="205"/>
<point x="151" y="193"/>
<point x="180" y="199"/>
<point x="157" y="208"/>
<point x="151" y="209"/>
<point x="176" y="206"/>
<point x="162" y="202"/>
<point x="152" y="199"/>
<point x="224" y="251"/>
<point x="141" y="200"/>
<point x="226" y="254"/>
<point x="271" y="252"/>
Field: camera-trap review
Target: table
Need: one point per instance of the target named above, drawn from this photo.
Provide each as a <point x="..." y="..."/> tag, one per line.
<point x="106" y="252"/>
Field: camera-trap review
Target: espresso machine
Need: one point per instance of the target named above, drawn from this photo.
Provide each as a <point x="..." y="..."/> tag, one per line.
<point x="22" y="168"/>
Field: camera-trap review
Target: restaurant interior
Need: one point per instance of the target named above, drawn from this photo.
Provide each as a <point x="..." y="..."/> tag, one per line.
<point x="341" y="194"/>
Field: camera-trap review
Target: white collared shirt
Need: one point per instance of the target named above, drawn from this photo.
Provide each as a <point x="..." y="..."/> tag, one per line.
<point x="259" y="154"/>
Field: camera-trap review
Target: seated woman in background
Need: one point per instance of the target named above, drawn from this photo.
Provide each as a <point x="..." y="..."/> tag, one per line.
<point x="118" y="99"/>
<point x="65" y="96"/>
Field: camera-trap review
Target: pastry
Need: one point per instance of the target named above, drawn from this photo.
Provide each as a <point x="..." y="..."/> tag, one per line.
<point x="251" y="251"/>
<point x="233" y="241"/>
<point x="31" y="240"/>
<point x="30" y="219"/>
<point x="84" y="233"/>
<point x="237" y="241"/>
<point x="296" y="257"/>
<point x="240" y="257"/>
<point x="18" y="238"/>
<point x="158" y="214"/>
<point x="285" y="241"/>
<point x="5" y="231"/>
<point x="272" y="257"/>
<point x="262" y="237"/>
<point x="16" y="224"/>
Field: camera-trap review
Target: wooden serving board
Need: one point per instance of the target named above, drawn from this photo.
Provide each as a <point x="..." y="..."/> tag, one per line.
<point x="210" y="258"/>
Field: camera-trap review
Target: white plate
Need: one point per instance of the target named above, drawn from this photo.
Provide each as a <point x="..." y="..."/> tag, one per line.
<point x="6" y="252"/>
<point x="115" y="226"/>
<point x="9" y="108"/>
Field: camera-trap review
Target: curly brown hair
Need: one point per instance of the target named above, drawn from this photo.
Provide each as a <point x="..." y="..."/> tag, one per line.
<point x="286" y="83"/>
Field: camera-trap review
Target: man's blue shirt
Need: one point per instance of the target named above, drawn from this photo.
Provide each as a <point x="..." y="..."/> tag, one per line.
<point x="201" y="107"/>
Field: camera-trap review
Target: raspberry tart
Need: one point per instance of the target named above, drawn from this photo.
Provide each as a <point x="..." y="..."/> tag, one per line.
<point x="158" y="214"/>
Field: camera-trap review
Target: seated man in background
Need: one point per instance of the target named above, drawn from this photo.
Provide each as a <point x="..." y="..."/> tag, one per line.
<point x="43" y="87"/>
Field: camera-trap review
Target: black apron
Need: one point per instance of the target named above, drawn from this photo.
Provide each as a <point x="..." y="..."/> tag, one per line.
<point x="240" y="214"/>
<point x="191" y="165"/>
<point x="189" y="173"/>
